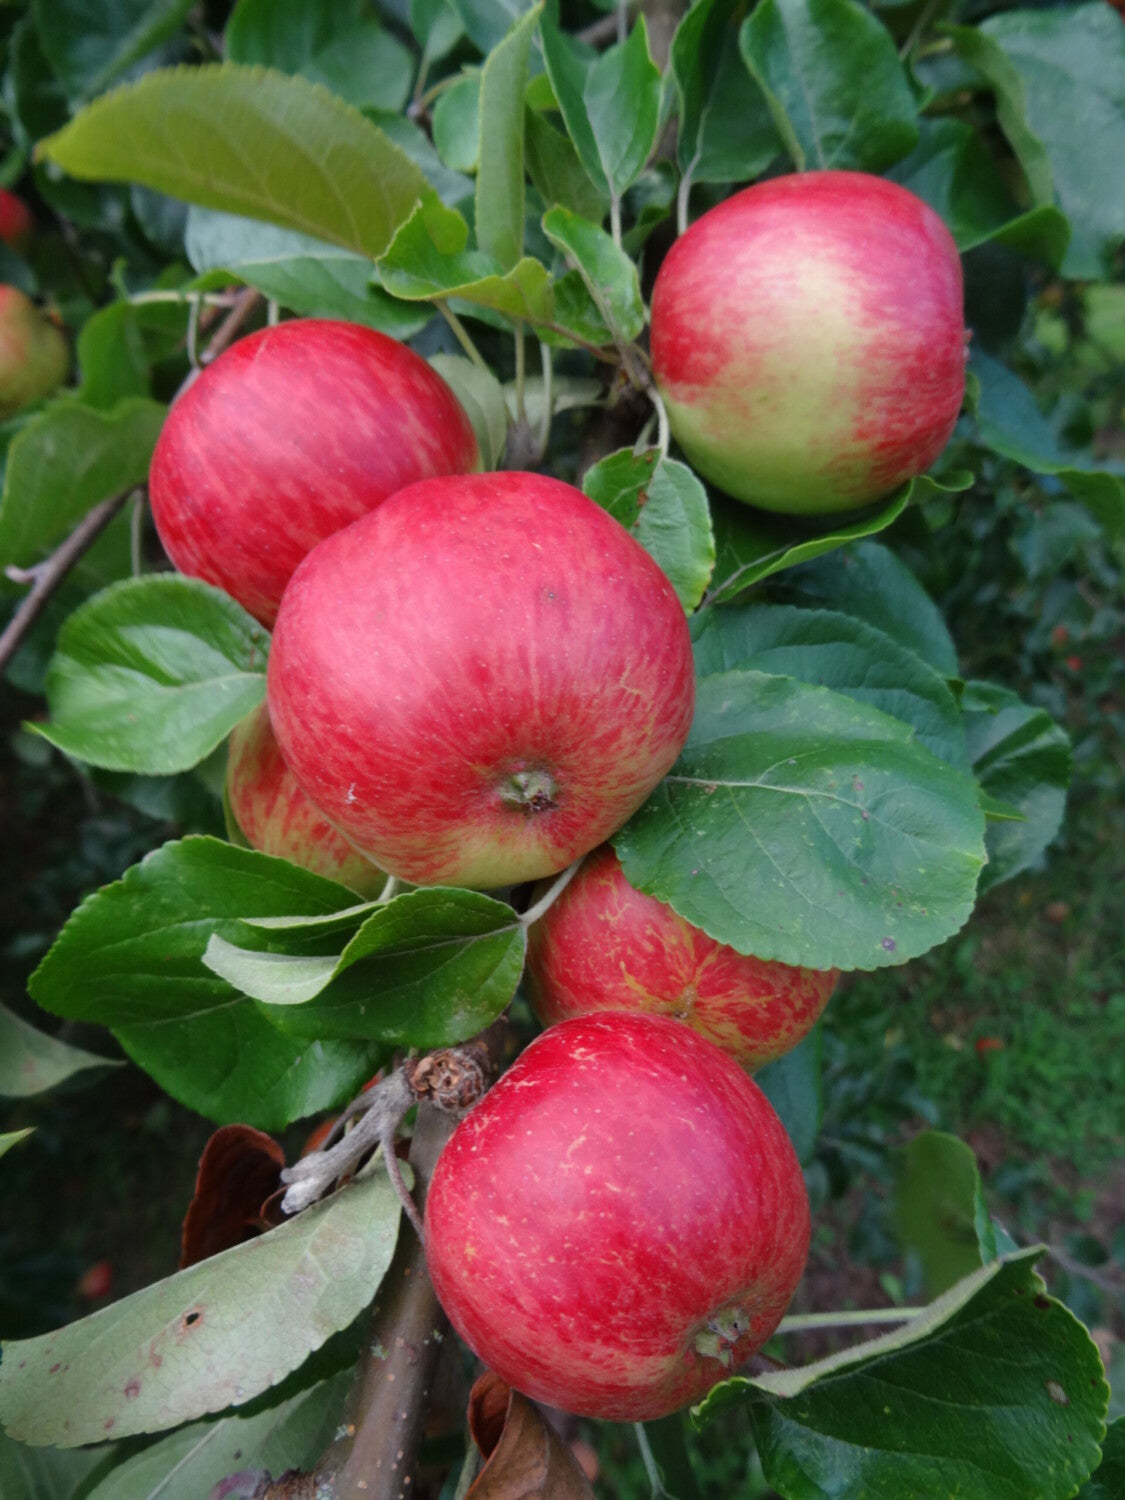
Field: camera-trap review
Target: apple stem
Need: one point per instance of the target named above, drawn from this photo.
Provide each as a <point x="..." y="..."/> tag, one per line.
<point x="548" y="402"/>
<point x="652" y="1469"/>
<point x="521" y="372"/>
<point x="683" y="193"/>
<point x="807" y="1322"/>
<point x="615" y="221"/>
<point x="551" y="895"/>
<point x="663" y="432"/>
<point x="462" y="335"/>
<point x="389" y="891"/>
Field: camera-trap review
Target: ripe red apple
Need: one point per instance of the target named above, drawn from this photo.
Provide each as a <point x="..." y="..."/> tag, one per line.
<point x="33" y="354"/>
<point x="603" y="945"/>
<point x="481" y="680"/>
<point x="808" y="339"/>
<point x="274" y="815"/>
<point x="620" y="1222"/>
<point x="291" y="434"/>
<point x="15" y="220"/>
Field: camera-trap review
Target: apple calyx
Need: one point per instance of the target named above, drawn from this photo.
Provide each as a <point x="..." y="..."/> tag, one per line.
<point x="530" y="791"/>
<point x="720" y="1333"/>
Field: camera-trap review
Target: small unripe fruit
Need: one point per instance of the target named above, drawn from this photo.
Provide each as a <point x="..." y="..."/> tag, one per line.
<point x="603" y="945"/>
<point x="290" y="435"/>
<point x="808" y="339"/>
<point x="15" y="220"/>
<point x="34" y="357"/>
<point x="274" y="815"/>
<point x="620" y="1222"/>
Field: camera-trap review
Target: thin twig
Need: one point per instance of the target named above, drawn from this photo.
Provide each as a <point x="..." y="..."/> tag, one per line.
<point x="46" y="576"/>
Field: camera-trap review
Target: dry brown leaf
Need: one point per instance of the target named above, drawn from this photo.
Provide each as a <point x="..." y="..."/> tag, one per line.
<point x="525" y="1458"/>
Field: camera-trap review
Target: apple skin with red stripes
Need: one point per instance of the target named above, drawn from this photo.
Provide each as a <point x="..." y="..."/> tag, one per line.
<point x="275" y="816"/>
<point x="808" y="341"/>
<point x="602" y="945"/>
<point x="481" y="680"/>
<point x="293" y="433"/>
<point x="620" y="1222"/>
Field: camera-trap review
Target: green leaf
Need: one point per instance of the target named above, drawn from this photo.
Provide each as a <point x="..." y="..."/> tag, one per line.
<point x="556" y="170"/>
<point x="726" y="132"/>
<point x="338" y="43"/>
<point x="610" y="276"/>
<point x="833" y="81"/>
<point x="430" y="969"/>
<point x="800" y="825"/>
<point x="437" y="29"/>
<point x="996" y="1390"/>
<point x="609" y="101"/>
<point x="937" y="1189"/>
<point x="112" y="357"/>
<point x="152" y="673"/>
<point x="308" y="276"/>
<point x="752" y="545"/>
<point x="32" y="1062"/>
<point x="290" y="1435"/>
<point x="792" y="1085"/>
<point x="417" y="269"/>
<point x="249" y="141"/>
<point x="488" y="21"/>
<point x="953" y="171"/>
<point x="44" y="1473"/>
<point x="63" y="463"/>
<point x="838" y="651"/>
<point x="457" y="123"/>
<point x="482" y="396"/>
<point x="131" y="957"/>
<point x="1056" y="76"/>
<point x="10" y="1138"/>
<point x="1009" y="422"/>
<point x="1020" y="757"/>
<point x="664" y="505"/>
<point x="500" y="175"/>
<point x="867" y="580"/>
<point x="210" y="1337"/>
<point x="668" y="1449"/>
<point x="89" y="46"/>
<point x="1108" y="1480"/>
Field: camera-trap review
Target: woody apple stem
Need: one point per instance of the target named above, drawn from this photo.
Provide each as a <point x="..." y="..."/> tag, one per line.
<point x="551" y="895"/>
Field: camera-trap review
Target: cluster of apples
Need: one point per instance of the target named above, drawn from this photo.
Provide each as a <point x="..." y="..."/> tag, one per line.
<point x="475" y="679"/>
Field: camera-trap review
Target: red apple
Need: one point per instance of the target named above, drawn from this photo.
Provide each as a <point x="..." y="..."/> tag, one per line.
<point x="273" y="814"/>
<point x="291" y="434"/>
<point x="603" y="945"/>
<point x="15" y="220"/>
<point x="481" y="680"/>
<point x="33" y="355"/>
<point x="620" y="1222"/>
<point x="808" y="339"/>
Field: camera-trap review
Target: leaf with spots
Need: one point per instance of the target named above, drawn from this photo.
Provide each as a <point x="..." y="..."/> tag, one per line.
<point x="995" y="1391"/>
<point x="800" y="825"/>
<point x="213" y="1336"/>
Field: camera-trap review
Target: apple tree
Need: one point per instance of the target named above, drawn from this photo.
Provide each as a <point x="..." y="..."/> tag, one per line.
<point x="497" y="431"/>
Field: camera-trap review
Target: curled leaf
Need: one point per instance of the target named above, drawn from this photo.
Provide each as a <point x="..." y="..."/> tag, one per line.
<point x="525" y="1458"/>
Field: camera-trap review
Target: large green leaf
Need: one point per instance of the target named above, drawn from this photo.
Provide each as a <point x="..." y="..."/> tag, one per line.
<point x="1021" y="758"/>
<point x="210" y="1337"/>
<point x="1057" y="75"/>
<point x="800" y="825"/>
<point x="792" y="1085"/>
<point x="44" y="1473"/>
<point x="500" y="173"/>
<point x="838" y="651"/>
<point x="152" y="673"/>
<point x="1009" y="422"/>
<point x="430" y="969"/>
<point x="609" y="101"/>
<point x="664" y="505"/>
<point x="1108" y="1480"/>
<point x="869" y="581"/>
<point x="32" y="1062"/>
<point x="88" y="46"/>
<point x="557" y="171"/>
<point x="487" y="21"/>
<point x="250" y="141"/>
<point x="187" y="1464"/>
<point x="338" y="43"/>
<point x="131" y="958"/>
<point x="416" y="268"/>
<point x="610" y="276"/>
<point x="308" y="276"/>
<point x="833" y="82"/>
<point x="63" y="463"/>
<point x="726" y="132"/>
<point x="952" y="169"/>
<point x="996" y="1392"/>
<point x="456" y="124"/>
